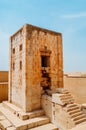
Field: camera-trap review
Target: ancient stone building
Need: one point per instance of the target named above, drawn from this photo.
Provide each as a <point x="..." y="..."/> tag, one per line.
<point x="36" y="64"/>
<point x="37" y="97"/>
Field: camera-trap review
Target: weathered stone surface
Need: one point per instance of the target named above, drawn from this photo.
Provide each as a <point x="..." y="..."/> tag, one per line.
<point x="36" y="82"/>
<point x="4" y="124"/>
<point x="29" y="115"/>
<point x="33" y="52"/>
<point x="80" y="127"/>
<point x="76" y="81"/>
<point x="65" y="116"/>
<point x="22" y="124"/>
<point x="14" y="109"/>
<point x="83" y="108"/>
<point x="47" y="105"/>
<point x="11" y="128"/>
<point x="2" y="118"/>
<point x="46" y="127"/>
<point x="38" y="121"/>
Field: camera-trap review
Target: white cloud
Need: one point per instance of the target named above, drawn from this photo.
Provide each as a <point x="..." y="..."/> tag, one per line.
<point x="70" y="16"/>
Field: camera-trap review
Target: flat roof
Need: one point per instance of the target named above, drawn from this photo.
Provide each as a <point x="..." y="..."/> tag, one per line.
<point x="38" y="28"/>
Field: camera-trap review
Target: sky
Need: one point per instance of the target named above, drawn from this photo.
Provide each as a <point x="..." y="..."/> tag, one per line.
<point x="65" y="16"/>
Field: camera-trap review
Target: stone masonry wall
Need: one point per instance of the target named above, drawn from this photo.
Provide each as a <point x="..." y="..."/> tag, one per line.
<point x="77" y="86"/>
<point x="17" y="74"/>
<point x="37" y="40"/>
<point x="3" y="76"/>
<point x="25" y="65"/>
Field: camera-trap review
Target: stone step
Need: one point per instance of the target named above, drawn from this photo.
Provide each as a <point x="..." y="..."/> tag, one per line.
<point x="49" y="126"/>
<point x="67" y="101"/>
<point x="71" y="105"/>
<point x="80" y="121"/>
<point x="72" y="108"/>
<point x="4" y="124"/>
<point x="74" y="111"/>
<point x="35" y="122"/>
<point x="2" y="117"/>
<point x="65" y="90"/>
<point x="22" y="115"/>
<point x="23" y="124"/>
<point x="64" y="95"/>
<point x="14" y="109"/>
<point x="78" y="117"/>
<point x="11" y="128"/>
<point x="66" y="98"/>
<point x="76" y="114"/>
<point x="29" y="115"/>
<point x="38" y="121"/>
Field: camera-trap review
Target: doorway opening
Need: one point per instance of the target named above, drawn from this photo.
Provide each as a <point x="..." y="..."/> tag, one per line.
<point x="45" y="61"/>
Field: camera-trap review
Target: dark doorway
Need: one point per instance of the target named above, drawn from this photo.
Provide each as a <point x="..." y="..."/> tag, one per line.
<point x="45" y="61"/>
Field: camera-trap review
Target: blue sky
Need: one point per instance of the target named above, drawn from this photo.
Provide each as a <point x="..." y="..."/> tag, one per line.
<point x="65" y="16"/>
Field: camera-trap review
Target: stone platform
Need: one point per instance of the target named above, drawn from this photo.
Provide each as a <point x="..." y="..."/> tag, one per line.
<point x="21" y="114"/>
<point x="12" y="118"/>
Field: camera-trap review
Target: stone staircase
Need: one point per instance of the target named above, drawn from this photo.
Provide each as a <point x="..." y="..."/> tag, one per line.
<point x="66" y="97"/>
<point x="70" y="114"/>
<point x="63" y="97"/>
<point x="72" y="109"/>
<point x="77" y="116"/>
<point x="15" y="119"/>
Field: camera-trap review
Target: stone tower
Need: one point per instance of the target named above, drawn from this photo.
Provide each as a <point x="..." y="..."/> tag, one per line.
<point x="36" y="64"/>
